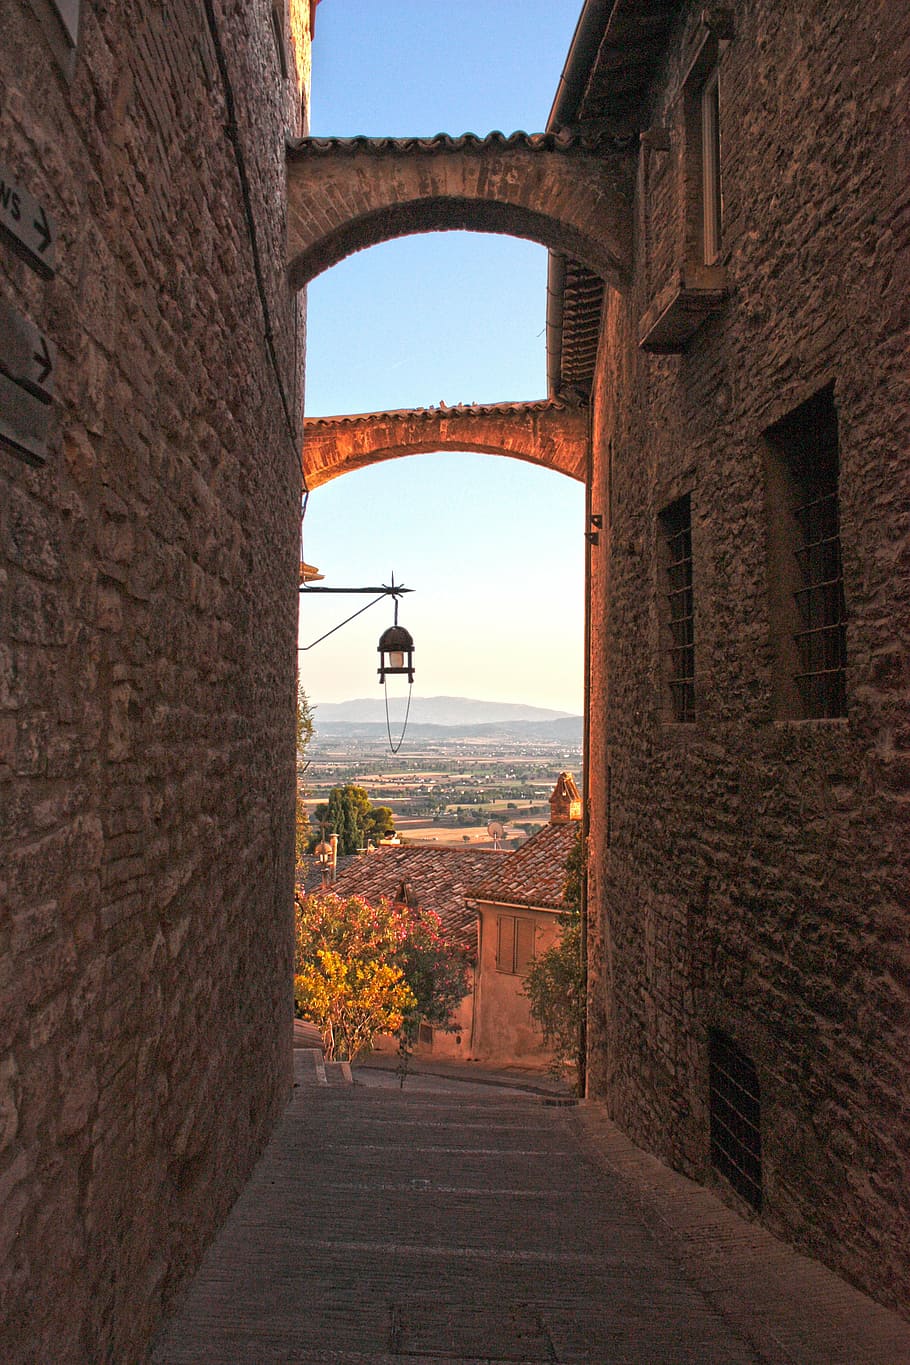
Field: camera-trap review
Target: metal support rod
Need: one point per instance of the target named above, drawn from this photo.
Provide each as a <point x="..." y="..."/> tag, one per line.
<point x="383" y="591"/>
<point x="394" y="590"/>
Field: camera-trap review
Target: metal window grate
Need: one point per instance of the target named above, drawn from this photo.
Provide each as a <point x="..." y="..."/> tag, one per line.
<point x="735" y="1108"/>
<point x="822" y="638"/>
<point x="677" y="529"/>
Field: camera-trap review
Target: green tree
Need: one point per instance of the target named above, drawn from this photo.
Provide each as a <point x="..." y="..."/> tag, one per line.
<point x="555" y="984"/>
<point x="351" y="815"/>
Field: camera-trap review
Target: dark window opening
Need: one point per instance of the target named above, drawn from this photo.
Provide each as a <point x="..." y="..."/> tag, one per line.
<point x="808" y="607"/>
<point x="278" y="34"/>
<point x="709" y="108"/>
<point x="425" y="1034"/>
<point x="676" y="527"/>
<point x="735" y="1110"/>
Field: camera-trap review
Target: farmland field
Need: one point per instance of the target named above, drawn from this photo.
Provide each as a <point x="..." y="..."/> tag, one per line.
<point x="448" y="789"/>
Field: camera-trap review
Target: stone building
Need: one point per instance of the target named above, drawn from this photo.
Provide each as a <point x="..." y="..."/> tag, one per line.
<point x="749" y="749"/>
<point x="148" y="572"/>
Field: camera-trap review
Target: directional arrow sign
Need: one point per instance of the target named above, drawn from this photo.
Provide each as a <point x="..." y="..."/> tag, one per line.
<point x="26" y="227"/>
<point x="26" y="355"/>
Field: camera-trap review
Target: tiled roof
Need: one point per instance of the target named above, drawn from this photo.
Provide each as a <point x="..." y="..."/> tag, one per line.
<point x="563" y="140"/>
<point x="459" y="410"/>
<point x="439" y="879"/>
<point x="534" y="874"/>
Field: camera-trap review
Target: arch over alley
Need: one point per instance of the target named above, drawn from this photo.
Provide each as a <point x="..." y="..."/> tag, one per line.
<point x="552" y="434"/>
<point x="569" y="193"/>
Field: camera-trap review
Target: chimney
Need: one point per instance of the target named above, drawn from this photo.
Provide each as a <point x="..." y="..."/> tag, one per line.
<point x="565" y="802"/>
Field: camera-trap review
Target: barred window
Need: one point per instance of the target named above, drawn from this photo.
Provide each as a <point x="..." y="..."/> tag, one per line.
<point x="735" y="1110"/>
<point x="676" y="529"/>
<point x="808" y="607"/>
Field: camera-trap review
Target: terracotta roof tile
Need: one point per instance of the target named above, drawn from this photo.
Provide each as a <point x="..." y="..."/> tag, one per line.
<point x="563" y="140"/>
<point x="534" y="874"/>
<point x="439" y="879"/>
<point x="458" y="410"/>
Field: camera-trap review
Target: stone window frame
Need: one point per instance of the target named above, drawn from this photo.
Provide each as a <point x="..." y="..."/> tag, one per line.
<point x="514" y="957"/>
<point x="712" y="199"/>
<point x="702" y="178"/>
<point x="279" y="34"/>
<point x="696" y="287"/>
<point x="59" y="20"/>
<point x="801" y="458"/>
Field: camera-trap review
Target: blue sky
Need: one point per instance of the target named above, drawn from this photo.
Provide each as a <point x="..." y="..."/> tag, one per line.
<point x="493" y="547"/>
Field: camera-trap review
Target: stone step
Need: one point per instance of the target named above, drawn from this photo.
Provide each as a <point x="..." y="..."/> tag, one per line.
<point x="338" y="1073"/>
<point x="310" y="1068"/>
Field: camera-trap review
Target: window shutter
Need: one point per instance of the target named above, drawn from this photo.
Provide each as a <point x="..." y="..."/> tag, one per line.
<point x="524" y="944"/>
<point x="504" y="940"/>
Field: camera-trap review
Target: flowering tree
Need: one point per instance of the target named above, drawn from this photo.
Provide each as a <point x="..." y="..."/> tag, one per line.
<point x="362" y="969"/>
<point x="435" y="970"/>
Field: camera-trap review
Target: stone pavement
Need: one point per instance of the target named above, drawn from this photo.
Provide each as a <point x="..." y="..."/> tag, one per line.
<point x="466" y="1222"/>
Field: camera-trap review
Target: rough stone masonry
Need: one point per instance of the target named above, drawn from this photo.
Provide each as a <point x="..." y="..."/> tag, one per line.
<point x="749" y="875"/>
<point x="147" y="627"/>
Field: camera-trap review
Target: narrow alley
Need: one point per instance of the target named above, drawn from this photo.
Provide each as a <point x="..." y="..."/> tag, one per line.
<point x="473" y="1222"/>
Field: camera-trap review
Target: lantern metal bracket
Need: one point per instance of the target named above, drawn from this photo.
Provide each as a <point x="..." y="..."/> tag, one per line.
<point x="384" y="590"/>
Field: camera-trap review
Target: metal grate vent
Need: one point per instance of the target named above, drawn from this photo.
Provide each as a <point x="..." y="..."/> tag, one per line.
<point x="735" y="1106"/>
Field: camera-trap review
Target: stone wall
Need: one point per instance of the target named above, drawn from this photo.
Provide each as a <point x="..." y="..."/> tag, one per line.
<point x="755" y="874"/>
<point x="147" y="669"/>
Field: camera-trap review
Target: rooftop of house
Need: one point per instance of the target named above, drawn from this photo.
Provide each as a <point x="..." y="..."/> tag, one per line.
<point x="535" y="874"/>
<point x="420" y="875"/>
<point x="449" y="880"/>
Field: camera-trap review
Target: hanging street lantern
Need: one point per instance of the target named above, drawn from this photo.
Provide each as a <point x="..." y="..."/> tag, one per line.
<point x="396" y="653"/>
<point x="396" y="647"/>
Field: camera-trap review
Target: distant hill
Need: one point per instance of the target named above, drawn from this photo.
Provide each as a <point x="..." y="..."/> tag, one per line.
<point x="437" y="711"/>
<point x="566" y="730"/>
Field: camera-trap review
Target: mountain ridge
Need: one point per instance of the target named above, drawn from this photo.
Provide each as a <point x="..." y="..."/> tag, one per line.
<point x="437" y="711"/>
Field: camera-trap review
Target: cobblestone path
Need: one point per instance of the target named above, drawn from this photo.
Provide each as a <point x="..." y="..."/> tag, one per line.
<point x="466" y="1223"/>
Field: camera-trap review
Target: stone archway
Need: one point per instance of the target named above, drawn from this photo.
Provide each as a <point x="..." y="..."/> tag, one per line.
<point x="550" y="434"/>
<point x="570" y="195"/>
